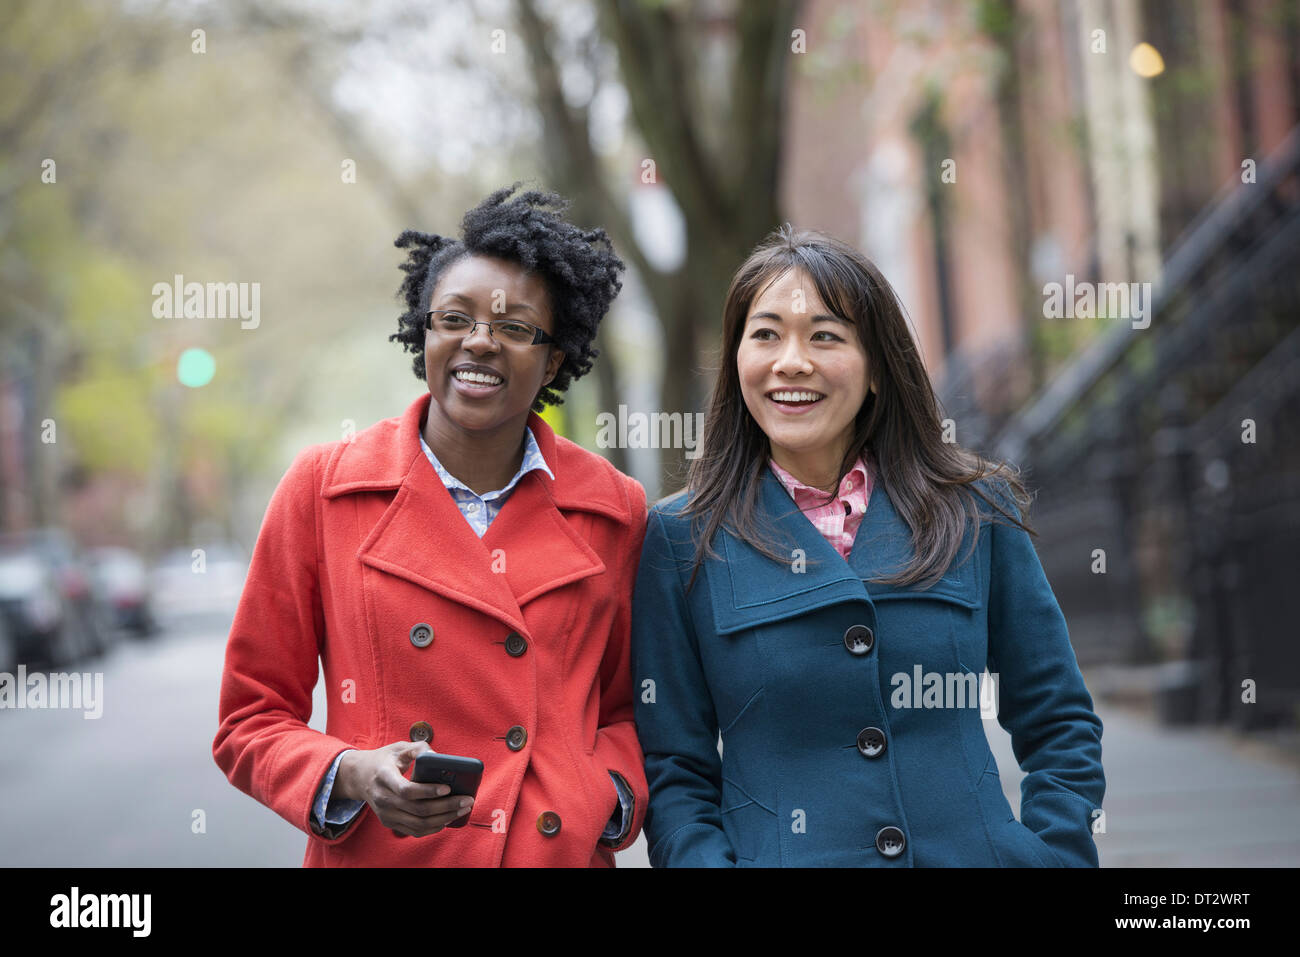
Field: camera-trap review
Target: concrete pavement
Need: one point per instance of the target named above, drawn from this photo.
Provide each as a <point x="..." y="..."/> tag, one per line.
<point x="123" y="790"/>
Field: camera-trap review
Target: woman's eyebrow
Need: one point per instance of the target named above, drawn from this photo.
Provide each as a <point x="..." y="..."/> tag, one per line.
<point x="820" y="317"/>
<point x="461" y="297"/>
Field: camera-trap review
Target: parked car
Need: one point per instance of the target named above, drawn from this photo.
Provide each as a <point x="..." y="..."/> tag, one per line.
<point x="8" y="647"/>
<point x="34" y="610"/>
<point x="86" y="633"/>
<point x="120" y="582"/>
<point x="186" y="585"/>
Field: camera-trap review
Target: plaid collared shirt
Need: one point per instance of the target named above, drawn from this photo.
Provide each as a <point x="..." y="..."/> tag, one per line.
<point x="480" y="510"/>
<point x="837" y="520"/>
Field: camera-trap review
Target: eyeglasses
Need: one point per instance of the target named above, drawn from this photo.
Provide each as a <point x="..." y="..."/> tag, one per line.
<point x="515" y="332"/>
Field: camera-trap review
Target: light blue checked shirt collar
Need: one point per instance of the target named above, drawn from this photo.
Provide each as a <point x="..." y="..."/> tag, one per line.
<point x="480" y="510"/>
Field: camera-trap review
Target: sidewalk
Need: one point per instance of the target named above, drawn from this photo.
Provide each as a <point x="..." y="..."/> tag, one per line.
<point x="1195" y="796"/>
<point x="1175" y="797"/>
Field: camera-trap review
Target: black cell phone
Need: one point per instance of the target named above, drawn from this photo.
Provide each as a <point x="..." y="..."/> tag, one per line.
<point x="460" y="773"/>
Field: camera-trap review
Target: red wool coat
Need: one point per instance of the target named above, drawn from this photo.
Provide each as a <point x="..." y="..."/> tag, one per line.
<point x="360" y="545"/>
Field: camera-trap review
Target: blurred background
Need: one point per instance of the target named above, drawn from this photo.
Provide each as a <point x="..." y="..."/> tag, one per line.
<point x="980" y="153"/>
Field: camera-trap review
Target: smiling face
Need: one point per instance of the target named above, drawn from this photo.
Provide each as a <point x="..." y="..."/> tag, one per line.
<point x="803" y="375"/>
<point x="484" y="385"/>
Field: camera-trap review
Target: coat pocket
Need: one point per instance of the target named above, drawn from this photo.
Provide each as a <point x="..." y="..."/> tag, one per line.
<point x="744" y="820"/>
<point x="603" y="792"/>
<point x="1021" y="847"/>
<point x="1014" y="844"/>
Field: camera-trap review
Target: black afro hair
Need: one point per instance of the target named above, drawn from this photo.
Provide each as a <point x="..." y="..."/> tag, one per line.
<point x="578" y="266"/>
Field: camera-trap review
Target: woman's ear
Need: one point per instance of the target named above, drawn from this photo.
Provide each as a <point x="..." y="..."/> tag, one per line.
<point x="553" y="363"/>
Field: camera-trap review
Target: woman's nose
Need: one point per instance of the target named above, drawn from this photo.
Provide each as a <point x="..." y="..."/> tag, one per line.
<point x="793" y="358"/>
<point x="480" y="339"/>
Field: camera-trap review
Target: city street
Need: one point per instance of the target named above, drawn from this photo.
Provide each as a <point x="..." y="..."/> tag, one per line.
<point x="123" y="790"/>
<point x="432" y="334"/>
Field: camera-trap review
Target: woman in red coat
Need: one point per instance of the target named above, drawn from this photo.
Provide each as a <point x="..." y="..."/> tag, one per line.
<point x="463" y="574"/>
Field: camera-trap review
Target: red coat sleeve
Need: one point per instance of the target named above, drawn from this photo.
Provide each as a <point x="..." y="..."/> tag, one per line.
<point x="263" y="744"/>
<point x="617" y="745"/>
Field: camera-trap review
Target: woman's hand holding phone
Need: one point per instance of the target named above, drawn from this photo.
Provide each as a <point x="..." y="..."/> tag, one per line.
<point x="408" y="808"/>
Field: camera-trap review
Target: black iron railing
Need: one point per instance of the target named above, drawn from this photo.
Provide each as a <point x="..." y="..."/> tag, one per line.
<point x="1172" y="454"/>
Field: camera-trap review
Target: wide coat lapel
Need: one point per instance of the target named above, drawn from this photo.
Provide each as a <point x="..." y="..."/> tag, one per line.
<point x="749" y="589"/>
<point x="541" y="547"/>
<point x="422" y="537"/>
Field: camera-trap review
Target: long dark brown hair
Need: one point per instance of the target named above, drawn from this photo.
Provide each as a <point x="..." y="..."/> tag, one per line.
<point x="898" y="428"/>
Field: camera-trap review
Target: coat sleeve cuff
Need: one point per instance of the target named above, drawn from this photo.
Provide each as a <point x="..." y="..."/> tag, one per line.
<point x="620" y="822"/>
<point x="340" y="814"/>
<point x="330" y="809"/>
<point x="1063" y="821"/>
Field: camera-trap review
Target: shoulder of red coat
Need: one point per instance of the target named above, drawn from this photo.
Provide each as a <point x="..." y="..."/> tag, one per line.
<point x="585" y="481"/>
<point x="377" y="457"/>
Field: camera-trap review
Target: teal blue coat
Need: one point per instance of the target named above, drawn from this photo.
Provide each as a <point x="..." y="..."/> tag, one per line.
<point x="830" y="756"/>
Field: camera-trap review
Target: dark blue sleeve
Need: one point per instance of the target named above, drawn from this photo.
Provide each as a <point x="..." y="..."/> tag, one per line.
<point x="675" y="717"/>
<point x="1042" y="701"/>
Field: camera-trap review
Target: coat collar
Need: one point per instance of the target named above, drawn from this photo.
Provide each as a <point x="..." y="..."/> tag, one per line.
<point x="382" y="456"/>
<point x="749" y="589"/>
<point x="531" y="546"/>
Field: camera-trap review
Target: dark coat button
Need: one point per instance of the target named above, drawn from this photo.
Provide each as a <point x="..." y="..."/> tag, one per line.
<point x="422" y="731"/>
<point x="548" y="822"/>
<point x="515" y="644"/>
<point x="871" y="742"/>
<point x="890" y="841"/>
<point x="516" y="738"/>
<point x="859" y="640"/>
<point x="421" y="635"/>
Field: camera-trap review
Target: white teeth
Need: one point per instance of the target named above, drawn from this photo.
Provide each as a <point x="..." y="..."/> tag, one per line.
<point x="796" y="396"/>
<point x="480" y="377"/>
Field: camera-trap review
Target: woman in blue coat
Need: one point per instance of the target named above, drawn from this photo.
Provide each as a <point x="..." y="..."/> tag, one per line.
<point x="825" y="595"/>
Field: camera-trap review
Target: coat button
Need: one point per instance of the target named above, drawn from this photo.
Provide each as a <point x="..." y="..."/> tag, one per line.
<point x="421" y="635"/>
<point x="859" y="640"/>
<point x="871" y="742"/>
<point x="516" y="737"/>
<point x="890" y="841"/>
<point x="548" y="822"/>
<point x="515" y="644"/>
<point x="422" y="731"/>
